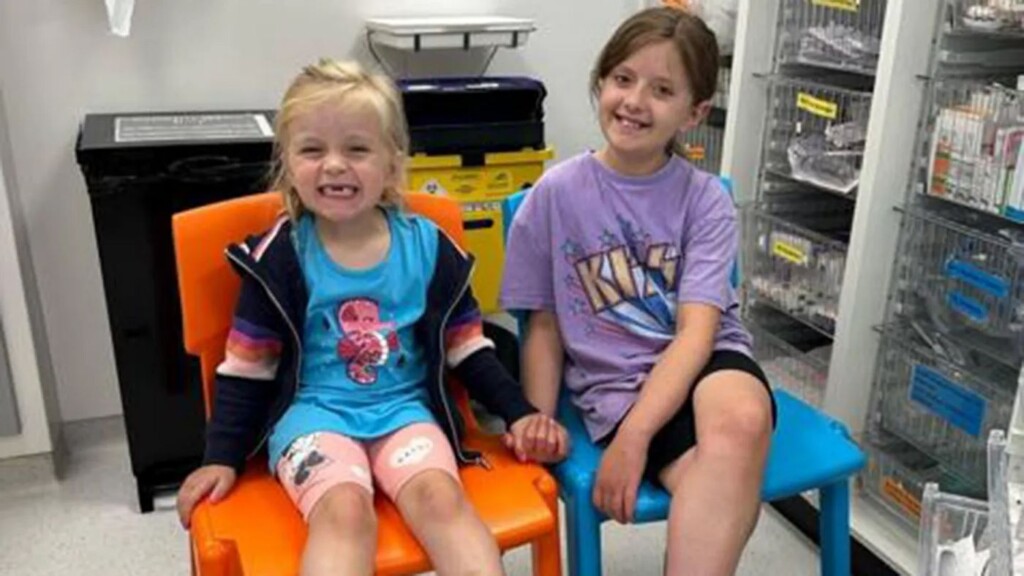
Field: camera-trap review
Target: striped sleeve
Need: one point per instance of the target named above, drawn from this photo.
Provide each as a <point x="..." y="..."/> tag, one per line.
<point x="252" y="351"/>
<point x="465" y="332"/>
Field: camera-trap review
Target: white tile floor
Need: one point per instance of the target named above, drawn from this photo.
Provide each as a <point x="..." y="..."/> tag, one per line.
<point x="87" y="524"/>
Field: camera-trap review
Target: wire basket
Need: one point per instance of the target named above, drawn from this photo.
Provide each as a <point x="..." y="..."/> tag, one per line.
<point x="961" y="285"/>
<point x="955" y="538"/>
<point x="721" y="97"/>
<point x="838" y="34"/>
<point x="816" y="133"/>
<point x="795" y="255"/>
<point x="943" y="409"/>
<point x="1002" y="17"/>
<point x="1006" y="504"/>
<point x="794" y="356"/>
<point x="702" y="146"/>
<point x="897" y="472"/>
<point x="972" y="150"/>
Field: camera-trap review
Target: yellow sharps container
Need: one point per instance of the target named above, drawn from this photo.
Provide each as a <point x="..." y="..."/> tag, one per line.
<point x="480" y="190"/>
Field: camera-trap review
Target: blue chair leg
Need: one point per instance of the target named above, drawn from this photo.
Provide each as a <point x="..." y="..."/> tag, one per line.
<point x="834" y="527"/>
<point x="583" y="536"/>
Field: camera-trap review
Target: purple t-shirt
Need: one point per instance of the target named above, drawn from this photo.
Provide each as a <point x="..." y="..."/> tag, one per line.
<point x="611" y="256"/>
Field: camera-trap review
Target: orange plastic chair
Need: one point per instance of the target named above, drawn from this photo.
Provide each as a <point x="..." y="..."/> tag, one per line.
<point x="256" y="531"/>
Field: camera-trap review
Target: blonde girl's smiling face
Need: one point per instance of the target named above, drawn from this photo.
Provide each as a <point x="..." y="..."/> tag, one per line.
<point x="643" y="103"/>
<point x="338" y="160"/>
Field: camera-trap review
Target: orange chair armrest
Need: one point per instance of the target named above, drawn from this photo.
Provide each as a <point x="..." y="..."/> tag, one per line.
<point x="212" y="556"/>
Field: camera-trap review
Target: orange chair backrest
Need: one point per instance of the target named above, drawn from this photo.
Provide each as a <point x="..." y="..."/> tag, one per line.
<point x="207" y="284"/>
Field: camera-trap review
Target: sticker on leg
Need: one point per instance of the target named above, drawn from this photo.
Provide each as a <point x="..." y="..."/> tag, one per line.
<point x="412" y="453"/>
<point x="303" y="457"/>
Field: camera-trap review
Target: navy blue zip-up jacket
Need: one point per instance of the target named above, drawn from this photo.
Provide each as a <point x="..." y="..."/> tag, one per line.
<point x="260" y="374"/>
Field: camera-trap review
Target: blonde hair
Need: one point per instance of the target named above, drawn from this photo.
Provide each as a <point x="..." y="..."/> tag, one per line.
<point x="347" y="84"/>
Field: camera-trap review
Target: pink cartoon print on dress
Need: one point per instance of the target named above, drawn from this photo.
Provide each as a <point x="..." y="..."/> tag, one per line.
<point x="366" y="342"/>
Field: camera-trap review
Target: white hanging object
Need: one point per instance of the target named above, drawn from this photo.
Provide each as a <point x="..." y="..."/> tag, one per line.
<point x="421" y="33"/>
<point x="119" y="14"/>
<point x="719" y="15"/>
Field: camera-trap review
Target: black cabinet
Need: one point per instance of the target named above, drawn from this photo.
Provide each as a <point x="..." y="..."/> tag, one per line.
<point x="140" y="169"/>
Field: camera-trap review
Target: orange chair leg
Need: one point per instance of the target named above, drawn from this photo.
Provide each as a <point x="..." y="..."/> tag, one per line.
<point x="217" y="558"/>
<point x="547" y="550"/>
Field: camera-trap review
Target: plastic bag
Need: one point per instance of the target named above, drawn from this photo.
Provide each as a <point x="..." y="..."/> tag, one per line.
<point x="119" y="14"/>
<point x="719" y="15"/>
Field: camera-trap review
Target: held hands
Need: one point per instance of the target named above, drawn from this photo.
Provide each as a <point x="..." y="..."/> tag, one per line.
<point x="537" y="437"/>
<point x="212" y="479"/>
<point x="618" y="477"/>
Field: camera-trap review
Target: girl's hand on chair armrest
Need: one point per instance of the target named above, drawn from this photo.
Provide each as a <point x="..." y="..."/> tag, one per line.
<point x="214" y="480"/>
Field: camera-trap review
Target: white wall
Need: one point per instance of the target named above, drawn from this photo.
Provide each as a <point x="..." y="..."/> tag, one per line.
<point x="22" y="322"/>
<point x="58" y="63"/>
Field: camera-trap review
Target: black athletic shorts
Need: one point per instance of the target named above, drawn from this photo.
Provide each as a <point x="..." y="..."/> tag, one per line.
<point x="680" y="433"/>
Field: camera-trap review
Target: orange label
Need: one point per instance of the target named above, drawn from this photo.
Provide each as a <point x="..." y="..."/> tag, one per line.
<point x="899" y="496"/>
<point x="695" y="152"/>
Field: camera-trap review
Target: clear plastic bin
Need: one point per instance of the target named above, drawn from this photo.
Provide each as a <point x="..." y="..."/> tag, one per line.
<point x="945" y="410"/>
<point x="972" y="140"/>
<point x="896" y="474"/>
<point x="815" y="133"/>
<point x="702" y="146"/>
<point x="961" y="285"/>
<point x="794" y="356"/>
<point x="837" y="34"/>
<point x="721" y="97"/>
<point x="1002" y="17"/>
<point x="954" y="539"/>
<point x="795" y="257"/>
<point x="1006" y="504"/>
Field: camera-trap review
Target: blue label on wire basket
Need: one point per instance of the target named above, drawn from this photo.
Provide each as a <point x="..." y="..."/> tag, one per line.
<point x="947" y="399"/>
<point x="967" y="306"/>
<point x="978" y="278"/>
<point x="1015" y="214"/>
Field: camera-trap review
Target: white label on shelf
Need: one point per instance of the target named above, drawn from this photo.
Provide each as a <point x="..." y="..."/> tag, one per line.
<point x="164" y="128"/>
<point x="817" y="106"/>
<point x="848" y="5"/>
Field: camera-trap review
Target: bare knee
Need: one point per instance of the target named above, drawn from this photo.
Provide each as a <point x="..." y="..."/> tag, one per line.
<point x="345" y="509"/>
<point x="739" y="429"/>
<point x="433" y="496"/>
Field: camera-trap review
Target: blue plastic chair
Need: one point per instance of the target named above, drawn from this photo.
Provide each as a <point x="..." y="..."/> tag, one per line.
<point x="809" y="450"/>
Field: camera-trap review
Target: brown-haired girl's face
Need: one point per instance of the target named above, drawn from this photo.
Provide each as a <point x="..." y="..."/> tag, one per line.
<point x="338" y="161"/>
<point x="644" y="102"/>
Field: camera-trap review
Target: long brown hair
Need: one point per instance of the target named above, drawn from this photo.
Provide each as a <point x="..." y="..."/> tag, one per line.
<point x="346" y="84"/>
<point x="692" y="39"/>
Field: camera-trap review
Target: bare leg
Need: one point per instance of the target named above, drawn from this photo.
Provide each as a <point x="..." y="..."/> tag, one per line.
<point x="456" y="540"/>
<point x="716" y="485"/>
<point x="342" y="534"/>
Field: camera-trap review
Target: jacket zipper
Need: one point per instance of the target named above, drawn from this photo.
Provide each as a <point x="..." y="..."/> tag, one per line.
<point x="295" y="334"/>
<point x="479" y="460"/>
